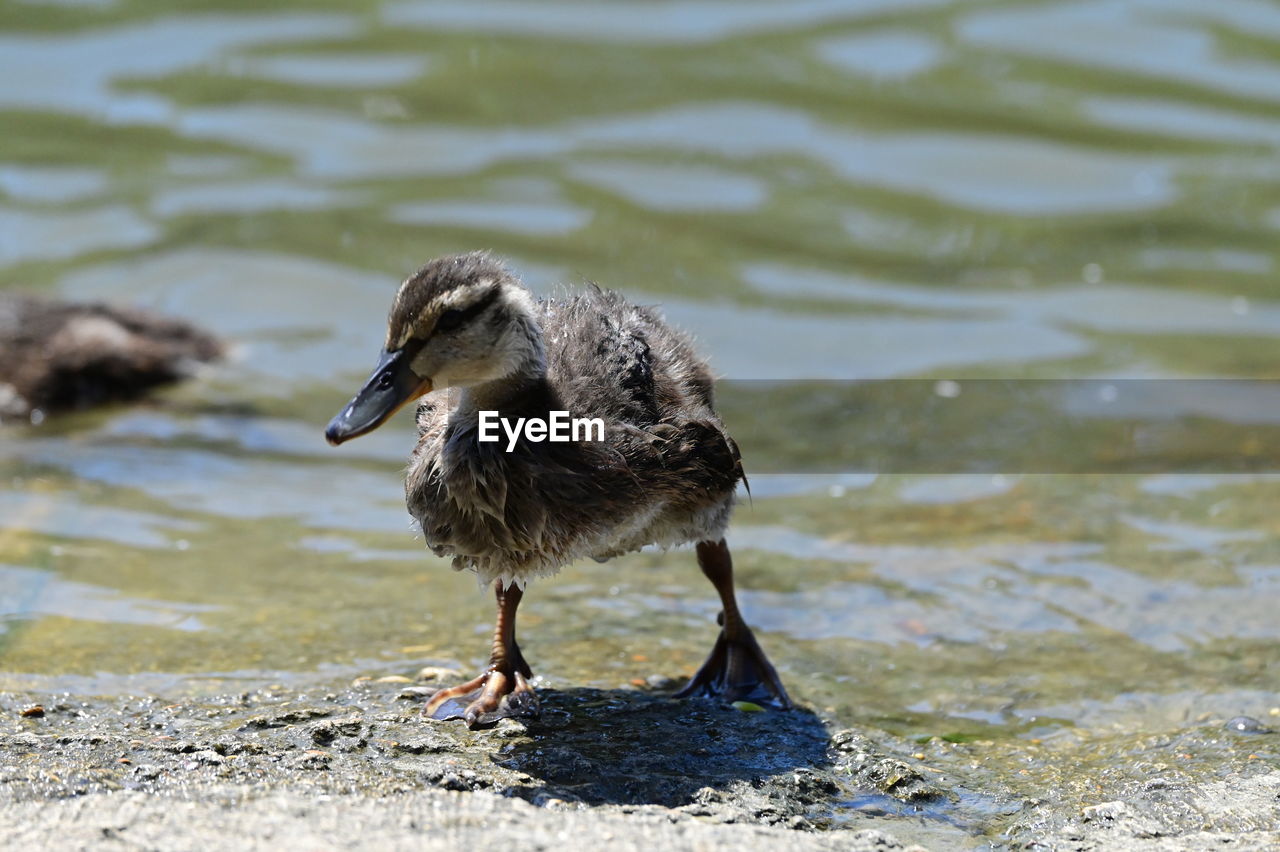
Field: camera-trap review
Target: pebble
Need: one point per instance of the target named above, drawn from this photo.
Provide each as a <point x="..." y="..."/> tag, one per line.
<point x="1246" y="725"/>
<point x="438" y="673"/>
<point x="311" y="759"/>
<point x="208" y="757"/>
<point x="1106" y="812"/>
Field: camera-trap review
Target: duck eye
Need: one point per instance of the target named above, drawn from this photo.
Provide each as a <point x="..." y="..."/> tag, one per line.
<point x="386" y="380"/>
<point x="450" y="319"/>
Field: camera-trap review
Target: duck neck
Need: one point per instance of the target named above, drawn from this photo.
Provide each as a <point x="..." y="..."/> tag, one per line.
<point x="527" y="376"/>
<point x="500" y="394"/>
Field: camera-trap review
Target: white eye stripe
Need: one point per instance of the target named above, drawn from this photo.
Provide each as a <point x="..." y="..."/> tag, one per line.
<point x="461" y="304"/>
<point x="452" y="315"/>
<point x="468" y="296"/>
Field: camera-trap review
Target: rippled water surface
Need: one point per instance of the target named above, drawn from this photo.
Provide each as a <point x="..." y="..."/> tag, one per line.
<point x="827" y="189"/>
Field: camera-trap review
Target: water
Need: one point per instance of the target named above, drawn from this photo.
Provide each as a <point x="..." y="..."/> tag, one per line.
<point x="818" y="190"/>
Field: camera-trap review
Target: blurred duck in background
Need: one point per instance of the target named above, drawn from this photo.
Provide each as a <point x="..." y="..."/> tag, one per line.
<point x="60" y="356"/>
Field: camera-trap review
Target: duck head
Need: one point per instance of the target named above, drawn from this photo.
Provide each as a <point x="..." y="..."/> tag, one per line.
<point x="459" y="321"/>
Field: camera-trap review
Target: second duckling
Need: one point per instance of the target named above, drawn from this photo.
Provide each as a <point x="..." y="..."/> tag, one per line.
<point x="57" y="356"/>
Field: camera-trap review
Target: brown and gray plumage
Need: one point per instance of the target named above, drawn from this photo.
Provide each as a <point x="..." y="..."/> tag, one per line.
<point x="665" y="473"/>
<point x="56" y="356"/>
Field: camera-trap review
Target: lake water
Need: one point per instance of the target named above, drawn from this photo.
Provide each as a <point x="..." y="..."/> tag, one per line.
<point x="817" y="190"/>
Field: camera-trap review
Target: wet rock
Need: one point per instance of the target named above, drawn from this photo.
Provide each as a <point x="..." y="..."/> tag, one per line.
<point x="329" y="730"/>
<point x="204" y="757"/>
<point x="811" y="786"/>
<point x="428" y="742"/>
<point x="776" y="779"/>
<point x="562" y="764"/>
<point x="311" y="760"/>
<point x="1121" y="817"/>
<point x="24" y="743"/>
<point x="850" y="741"/>
<point x="86" y="739"/>
<point x="872" y="840"/>
<point x="1107" y="812"/>
<point x="435" y="674"/>
<point x="1221" y="808"/>
<point x="147" y="771"/>
<point x="871" y="768"/>
<point x="510" y="729"/>
<point x="238" y="747"/>
<point x="662" y="682"/>
<point x="281" y="718"/>
<point x="462" y="781"/>
<point x="1246" y="725"/>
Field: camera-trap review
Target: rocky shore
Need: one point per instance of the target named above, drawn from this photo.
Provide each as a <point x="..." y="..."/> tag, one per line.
<point x="620" y="769"/>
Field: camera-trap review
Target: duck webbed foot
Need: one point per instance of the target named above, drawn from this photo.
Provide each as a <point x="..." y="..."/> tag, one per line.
<point x="502" y="690"/>
<point x="737" y="669"/>
<point x="492" y="696"/>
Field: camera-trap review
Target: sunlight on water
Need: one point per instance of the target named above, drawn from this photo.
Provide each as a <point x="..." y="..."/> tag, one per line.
<point x="816" y="190"/>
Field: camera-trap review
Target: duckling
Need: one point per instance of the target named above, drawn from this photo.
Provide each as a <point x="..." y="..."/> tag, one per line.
<point x="664" y="474"/>
<point x="56" y="356"/>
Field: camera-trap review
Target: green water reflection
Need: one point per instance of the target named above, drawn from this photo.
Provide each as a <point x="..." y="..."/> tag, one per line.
<point x="818" y="190"/>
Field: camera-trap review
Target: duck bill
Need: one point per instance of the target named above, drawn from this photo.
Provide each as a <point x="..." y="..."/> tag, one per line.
<point x="392" y="385"/>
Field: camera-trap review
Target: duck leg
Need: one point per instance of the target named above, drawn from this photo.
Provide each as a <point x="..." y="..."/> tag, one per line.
<point x="502" y="690"/>
<point x="737" y="669"/>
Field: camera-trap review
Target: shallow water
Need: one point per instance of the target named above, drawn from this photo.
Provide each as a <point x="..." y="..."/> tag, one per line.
<point x="817" y="190"/>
